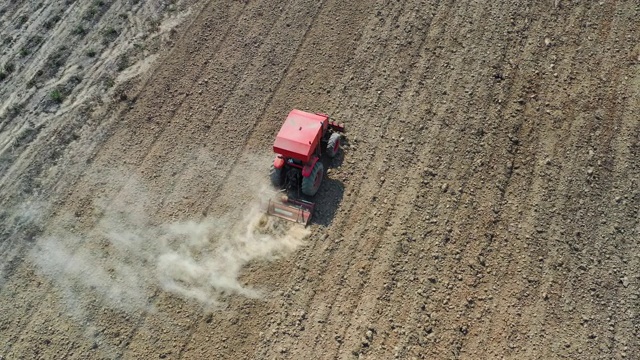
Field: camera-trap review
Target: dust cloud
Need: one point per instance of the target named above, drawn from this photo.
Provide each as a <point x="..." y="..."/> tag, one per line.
<point x="195" y="266"/>
<point x="123" y="258"/>
<point x="17" y="227"/>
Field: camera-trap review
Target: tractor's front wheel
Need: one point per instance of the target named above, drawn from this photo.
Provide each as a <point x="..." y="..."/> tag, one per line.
<point x="333" y="145"/>
<point x="311" y="184"/>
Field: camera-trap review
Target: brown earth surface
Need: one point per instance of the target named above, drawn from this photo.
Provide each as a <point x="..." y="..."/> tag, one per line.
<point x="486" y="203"/>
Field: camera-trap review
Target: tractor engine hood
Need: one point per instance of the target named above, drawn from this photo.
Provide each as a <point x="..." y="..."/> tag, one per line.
<point x="300" y="135"/>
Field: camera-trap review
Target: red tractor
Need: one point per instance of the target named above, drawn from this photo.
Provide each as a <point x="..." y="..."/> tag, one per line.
<point x="299" y="145"/>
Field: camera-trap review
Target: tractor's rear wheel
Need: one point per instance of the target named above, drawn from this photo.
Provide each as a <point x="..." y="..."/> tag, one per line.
<point x="333" y="145"/>
<point x="311" y="184"/>
<point x="277" y="178"/>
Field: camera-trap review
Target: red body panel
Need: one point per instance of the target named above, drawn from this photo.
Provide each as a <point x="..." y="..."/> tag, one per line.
<point x="306" y="170"/>
<point x="300" y="135"/>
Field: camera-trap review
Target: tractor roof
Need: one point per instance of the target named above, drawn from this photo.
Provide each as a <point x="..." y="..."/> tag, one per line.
<point x="299" y="134"/>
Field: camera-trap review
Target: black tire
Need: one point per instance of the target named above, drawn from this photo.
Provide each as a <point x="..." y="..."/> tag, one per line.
<point x="333" y="145"/>
<point x="277" y="178"/>
<point x="311" y="184"/>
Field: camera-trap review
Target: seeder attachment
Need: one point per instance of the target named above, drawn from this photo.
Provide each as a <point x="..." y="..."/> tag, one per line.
<point x="299" y="211"/>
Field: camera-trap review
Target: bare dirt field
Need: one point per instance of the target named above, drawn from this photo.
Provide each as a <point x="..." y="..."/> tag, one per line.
<point x="486" y="204"/>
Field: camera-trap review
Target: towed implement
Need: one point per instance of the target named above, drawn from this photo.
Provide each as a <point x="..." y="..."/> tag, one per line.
<point x="297" y="168"/>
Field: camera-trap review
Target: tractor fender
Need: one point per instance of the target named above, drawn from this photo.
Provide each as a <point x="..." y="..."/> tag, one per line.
<point x="306" y="170"/>
<point x="278" y="162"/>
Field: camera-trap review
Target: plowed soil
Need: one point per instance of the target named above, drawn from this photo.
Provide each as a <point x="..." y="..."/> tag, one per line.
<point x="485" y="205"/>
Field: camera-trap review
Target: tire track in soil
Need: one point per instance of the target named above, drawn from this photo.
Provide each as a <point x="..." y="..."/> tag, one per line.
<point x="588" y="232"/>
<point x="607" y="231"/>
<point x="630" y="147"/>
<point x="541" y="193"/>
<point x="536" y="309"/>
<point x="619" y="322"/>
<point x="524" y="302"/>
<point x="400" y="248"/>
<point x="356" y="328"/>
<point x="34" y="309"/>
<point x="462" y="189"/>
<point x="534" y="186"/>
<point x="500" y="224"/>
<point x="571" y="289"/>
<point x="450" y="216"/>
<point x="578" y="151"/>
<point x="402" y="218"/>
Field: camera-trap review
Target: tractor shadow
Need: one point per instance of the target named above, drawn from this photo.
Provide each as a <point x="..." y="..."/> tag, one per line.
<point x="331" y="191"/>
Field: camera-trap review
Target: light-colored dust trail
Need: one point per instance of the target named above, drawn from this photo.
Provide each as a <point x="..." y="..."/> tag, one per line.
<point x="199" y="268"/>
<point x="127" y="256"/>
